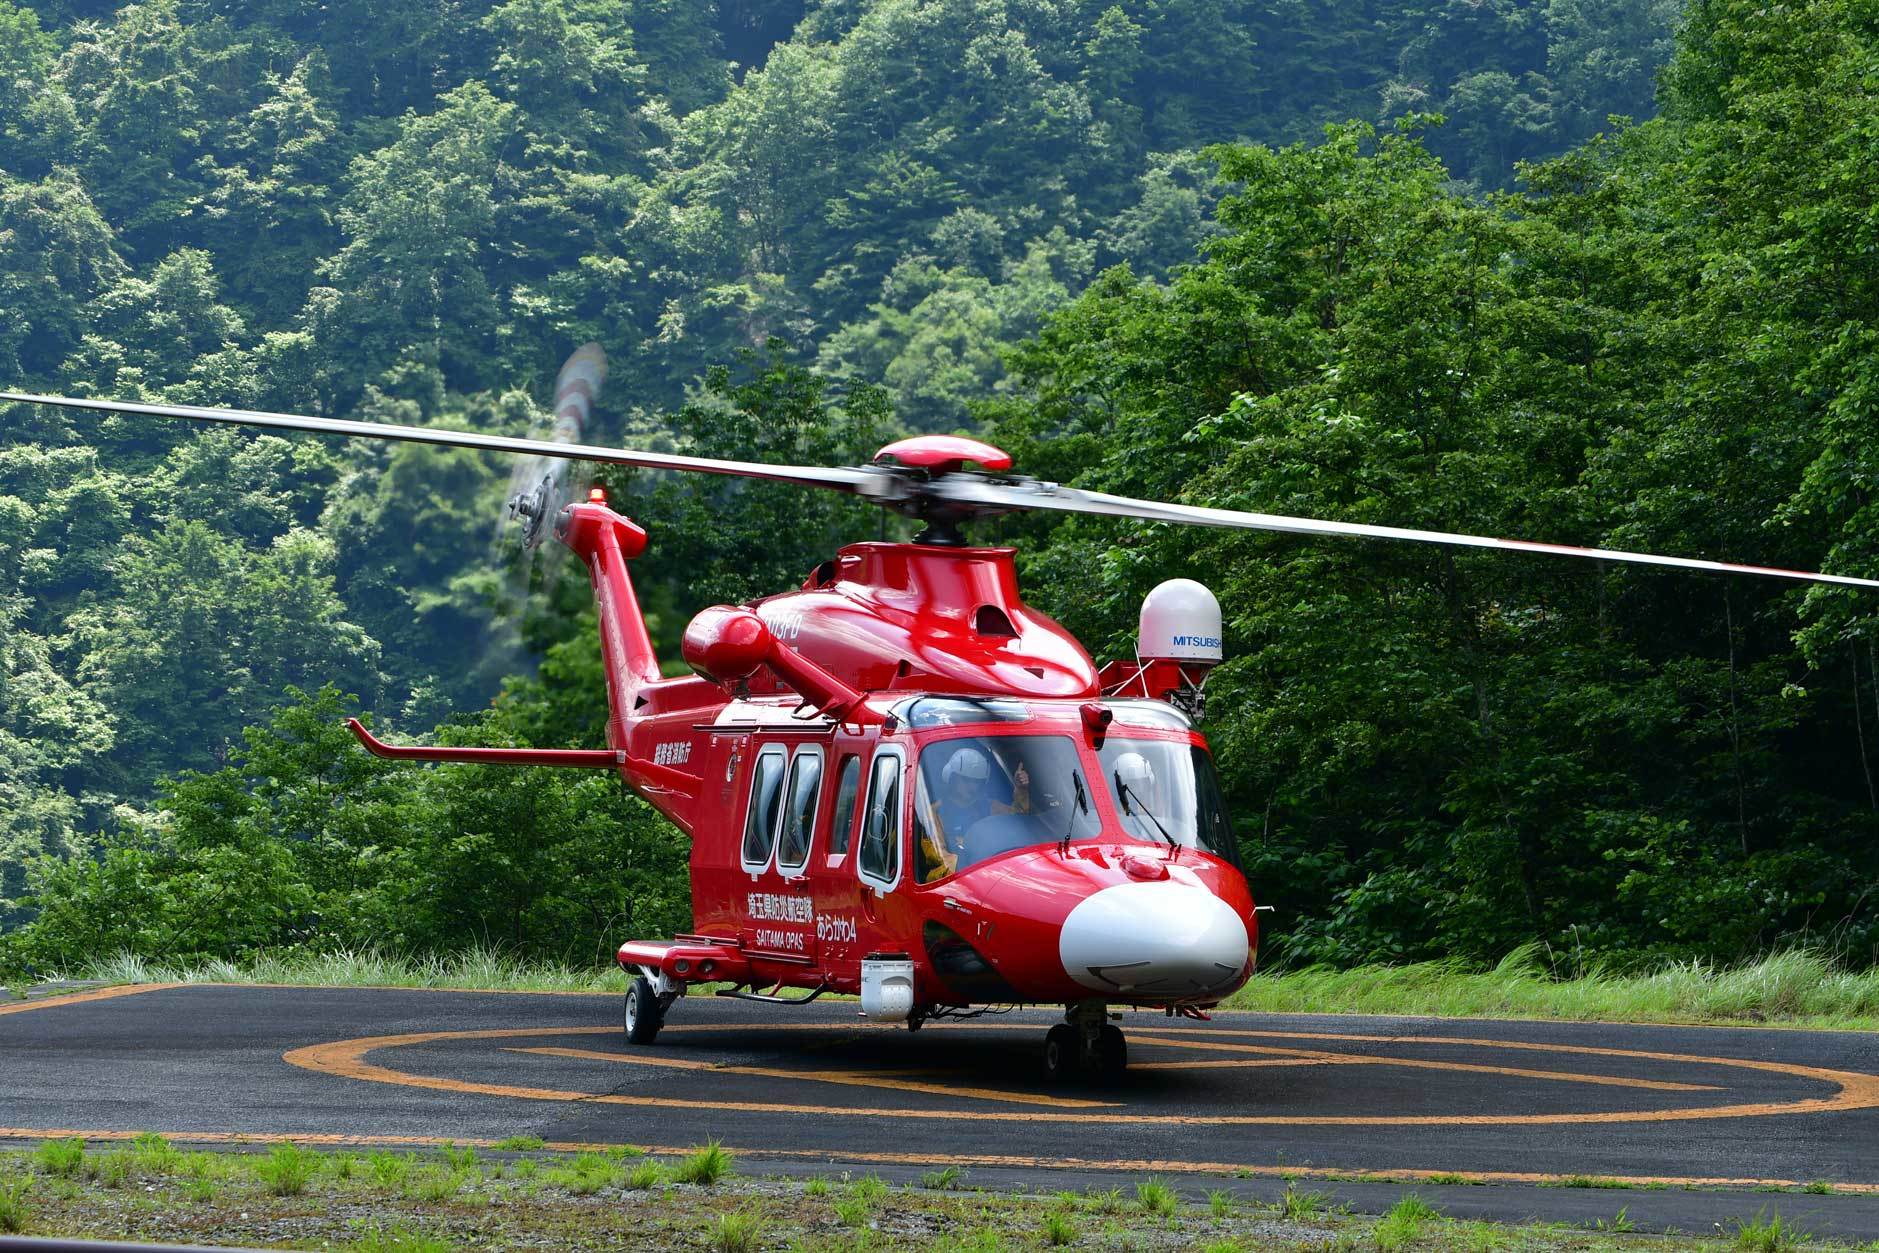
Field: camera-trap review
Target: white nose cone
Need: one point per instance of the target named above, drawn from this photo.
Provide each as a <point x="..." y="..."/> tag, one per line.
<point x="1158" y="940"/>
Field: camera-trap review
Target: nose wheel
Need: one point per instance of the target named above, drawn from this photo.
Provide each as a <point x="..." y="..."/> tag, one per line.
<point x="1085" y="1045"/>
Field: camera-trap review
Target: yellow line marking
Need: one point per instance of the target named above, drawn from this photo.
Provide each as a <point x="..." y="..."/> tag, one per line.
<point x="1418" y="1063"/>
<point x="346" y="1058"/>
<point x="856" y="1078"/>
<point x="1094" y="1164"/>
<point x="79" y="998"/>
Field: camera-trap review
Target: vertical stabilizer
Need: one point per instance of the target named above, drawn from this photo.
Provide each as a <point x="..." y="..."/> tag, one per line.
<point x="605" y="542"/>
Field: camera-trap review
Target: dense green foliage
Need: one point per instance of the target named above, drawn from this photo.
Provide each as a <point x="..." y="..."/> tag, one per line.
<point x="799" y="230"/>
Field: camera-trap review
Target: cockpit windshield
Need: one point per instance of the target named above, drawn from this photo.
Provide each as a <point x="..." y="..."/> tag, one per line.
<point x="1166" y="791"/>
<point x="979" y="796"/>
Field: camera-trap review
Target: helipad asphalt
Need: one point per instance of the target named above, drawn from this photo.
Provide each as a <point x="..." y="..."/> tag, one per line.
<point x="1683" y="1126"/>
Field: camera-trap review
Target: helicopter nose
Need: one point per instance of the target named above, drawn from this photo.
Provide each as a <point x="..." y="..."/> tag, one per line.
<point x="1160" y="940"/>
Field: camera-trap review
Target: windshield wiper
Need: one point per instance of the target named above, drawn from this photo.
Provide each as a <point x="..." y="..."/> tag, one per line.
<point x="1083" y="807"/>
<point x="1126" y="792"/>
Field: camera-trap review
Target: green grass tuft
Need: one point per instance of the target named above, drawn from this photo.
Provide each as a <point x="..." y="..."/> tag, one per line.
<point x="1620" y="1223"/>
<point x="61" y="1157"/>
<point x="1295" y="1205"/>
<point x="1156" y="1197"/>
<point x="1403" y="1225"/>
<point x="398" y="1240"/>
<point x="941" y="1180"/>
<point x="432" y="1184"/>
<point x="736" y="1232"/>
<point x="1584" y="1181"/>
<point x="389" y="1170"/>
<point x="585" y="1175"/>
<point x="645" y="1175"/>
<point x="15" y="1210"/>
<point x="151" y="1154"/>
<point x="287" y="1169"/>
<point x="1220" y="1203"/>
<point x="705" y="1166"/>
<point x="460" y="1159"/>
<point x="1762" y="1234"/>
<point x="1059" y="1230"/>
<point x="519" y="1144"/>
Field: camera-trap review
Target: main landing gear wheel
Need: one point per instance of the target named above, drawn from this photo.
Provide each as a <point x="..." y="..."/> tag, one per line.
<point x="1063" y="1053"/>
<point x="644" y="1015"/>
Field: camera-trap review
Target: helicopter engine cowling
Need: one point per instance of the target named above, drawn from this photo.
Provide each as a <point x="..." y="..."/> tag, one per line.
<point x="728" y="645"/>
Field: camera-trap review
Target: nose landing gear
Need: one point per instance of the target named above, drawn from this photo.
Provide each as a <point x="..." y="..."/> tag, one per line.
<point x="1086" y="1043"/>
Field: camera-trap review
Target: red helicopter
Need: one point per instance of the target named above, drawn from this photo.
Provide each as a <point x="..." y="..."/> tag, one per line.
<point x="901" y="781"/>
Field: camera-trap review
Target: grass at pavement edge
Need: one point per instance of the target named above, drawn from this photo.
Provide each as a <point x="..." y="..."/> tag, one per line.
<point x="1796" y="988"/>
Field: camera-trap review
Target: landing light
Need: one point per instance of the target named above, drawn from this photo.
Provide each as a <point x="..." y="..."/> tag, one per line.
<point x="597" y="496"/>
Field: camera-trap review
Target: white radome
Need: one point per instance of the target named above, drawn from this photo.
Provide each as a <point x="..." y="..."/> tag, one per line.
<point x="1180" y="622"/>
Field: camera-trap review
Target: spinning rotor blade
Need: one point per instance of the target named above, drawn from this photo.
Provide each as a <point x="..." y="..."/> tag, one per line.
<point x="540" y="486"/>
<point x="938" y="494"/>
<point x="990" y="496"/>
<point x="842" y="480"/>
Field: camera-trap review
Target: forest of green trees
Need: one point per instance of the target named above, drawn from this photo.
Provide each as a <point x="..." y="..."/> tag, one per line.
<point x="1592" y="271"/>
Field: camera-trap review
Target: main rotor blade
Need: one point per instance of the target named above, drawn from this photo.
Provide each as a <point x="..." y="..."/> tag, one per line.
<point x="993" y="495"/>
<point x="837" y="479"/>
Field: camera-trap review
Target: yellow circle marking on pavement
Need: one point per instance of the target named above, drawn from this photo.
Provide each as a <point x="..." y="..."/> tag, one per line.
<point x="1852" y="1090"/>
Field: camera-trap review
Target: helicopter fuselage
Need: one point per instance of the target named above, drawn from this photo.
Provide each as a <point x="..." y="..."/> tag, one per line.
<point x="809" y="764"/>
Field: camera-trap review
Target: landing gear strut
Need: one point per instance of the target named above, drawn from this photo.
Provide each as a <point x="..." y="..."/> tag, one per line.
<point x="1085" y="1043"/>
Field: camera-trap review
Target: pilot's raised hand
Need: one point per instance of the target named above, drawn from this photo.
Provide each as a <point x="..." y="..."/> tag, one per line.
<point x="1021" y="790"/>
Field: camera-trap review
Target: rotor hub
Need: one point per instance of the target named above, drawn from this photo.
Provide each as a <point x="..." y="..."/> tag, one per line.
<point x="911" y="469"/>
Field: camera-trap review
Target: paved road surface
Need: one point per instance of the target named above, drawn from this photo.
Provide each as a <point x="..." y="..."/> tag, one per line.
<point x="1494" y="1111"/>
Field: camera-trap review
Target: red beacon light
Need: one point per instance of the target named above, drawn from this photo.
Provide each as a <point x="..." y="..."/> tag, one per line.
<point x="944" y="454"/>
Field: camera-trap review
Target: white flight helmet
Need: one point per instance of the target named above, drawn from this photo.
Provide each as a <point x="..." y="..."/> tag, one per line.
<point x="967" y="763"/>
<point x="1134" y="773"/>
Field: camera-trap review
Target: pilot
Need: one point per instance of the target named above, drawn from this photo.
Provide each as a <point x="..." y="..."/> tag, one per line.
<point x="965" y="799"/>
